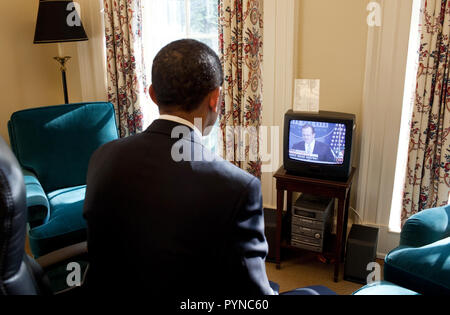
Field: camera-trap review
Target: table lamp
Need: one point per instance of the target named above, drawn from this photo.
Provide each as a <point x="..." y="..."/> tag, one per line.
<point x="59" y="22"/>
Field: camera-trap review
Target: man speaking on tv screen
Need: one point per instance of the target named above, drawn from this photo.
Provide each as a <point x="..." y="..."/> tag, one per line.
<point x="314" y="150"/>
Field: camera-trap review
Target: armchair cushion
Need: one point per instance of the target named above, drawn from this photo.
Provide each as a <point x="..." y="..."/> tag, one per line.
<point x="65" y="225"/>
<point x="423" y="269"/>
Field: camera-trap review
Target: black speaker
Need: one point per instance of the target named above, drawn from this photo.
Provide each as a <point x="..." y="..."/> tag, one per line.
<point x="361" y="250"/>
<point x="270" y="222"/>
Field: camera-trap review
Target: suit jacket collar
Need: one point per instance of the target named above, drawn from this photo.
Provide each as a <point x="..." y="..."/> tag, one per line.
<point x="166" y="127"/>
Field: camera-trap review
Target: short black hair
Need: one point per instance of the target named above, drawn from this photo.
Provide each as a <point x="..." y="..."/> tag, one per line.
<point x="309" y="126"/>
<point x="184" y="72"/>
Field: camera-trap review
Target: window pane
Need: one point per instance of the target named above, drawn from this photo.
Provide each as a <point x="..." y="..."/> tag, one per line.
<point x="162" y="23"/>
<point x="211" y="42"/>
<point x="165" y="21"/>
<point x="204" y="17"/>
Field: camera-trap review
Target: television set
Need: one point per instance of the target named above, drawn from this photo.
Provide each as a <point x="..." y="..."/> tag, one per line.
<point x="319" y="145"/>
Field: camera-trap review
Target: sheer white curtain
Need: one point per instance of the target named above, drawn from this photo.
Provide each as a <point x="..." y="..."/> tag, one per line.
<point x="92" y="53"/>
<point x="162" y="23"/>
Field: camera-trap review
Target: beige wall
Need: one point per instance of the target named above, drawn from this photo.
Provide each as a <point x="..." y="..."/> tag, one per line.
<point x="332" y="39"/>
<point x="30" y="77"/>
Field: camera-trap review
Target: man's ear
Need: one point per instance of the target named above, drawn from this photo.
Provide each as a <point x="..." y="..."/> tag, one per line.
<point x="152" y="94"/>
<point x="214" y="100"/>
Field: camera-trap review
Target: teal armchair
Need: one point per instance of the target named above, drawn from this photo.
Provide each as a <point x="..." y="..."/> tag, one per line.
<point x="53" y="146"/>
<point x="422" y="261"/>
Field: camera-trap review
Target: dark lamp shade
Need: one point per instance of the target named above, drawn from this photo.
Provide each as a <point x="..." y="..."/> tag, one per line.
<point x="58" y="22"/>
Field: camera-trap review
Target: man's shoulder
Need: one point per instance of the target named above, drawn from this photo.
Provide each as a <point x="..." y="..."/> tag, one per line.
<point x="299" y="145"/>
<point x="207" y="164"/>
<point x="110" y="147"/>
<point x="224" y="170"/>
<point x="116" y="151"/>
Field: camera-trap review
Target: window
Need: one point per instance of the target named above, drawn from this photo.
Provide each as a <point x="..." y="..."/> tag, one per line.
<point x="169" y="20"/>
<point x="408" y="102"/>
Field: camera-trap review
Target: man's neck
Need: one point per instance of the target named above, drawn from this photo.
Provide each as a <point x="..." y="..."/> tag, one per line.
<point x="182" y="115"/>
<point x="183" y="121"/>
<point x="191" y="117"/>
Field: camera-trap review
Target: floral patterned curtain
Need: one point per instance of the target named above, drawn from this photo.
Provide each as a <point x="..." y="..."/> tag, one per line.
<point x="125" y="67"/>
<point x="241" y="52"/>
<point x="427" y="179"/>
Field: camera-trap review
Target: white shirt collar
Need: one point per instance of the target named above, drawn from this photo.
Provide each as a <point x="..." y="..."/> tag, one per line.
<point x="310" y="147"/>
<point x="183" y="122"/>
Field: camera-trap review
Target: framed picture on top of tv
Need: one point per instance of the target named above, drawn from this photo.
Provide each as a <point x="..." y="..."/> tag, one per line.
<point x="319" y="145"/>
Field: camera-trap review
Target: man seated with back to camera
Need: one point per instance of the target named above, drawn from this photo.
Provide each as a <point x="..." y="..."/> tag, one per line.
<point x="157" y="225"/>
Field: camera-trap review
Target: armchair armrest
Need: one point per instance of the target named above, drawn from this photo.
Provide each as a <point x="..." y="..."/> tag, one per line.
<point x="54" y="266"/>
<point x="426" y="227"/>
<point x="65" y="254"/>
<point x="37" y="202"/>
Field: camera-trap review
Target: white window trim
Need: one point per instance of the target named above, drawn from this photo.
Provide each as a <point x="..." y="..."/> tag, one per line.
<point x="408" y="100"/>
<point x="280" y="36"/>
<point x="387" y="52"/>
<point x="187" y="4"/>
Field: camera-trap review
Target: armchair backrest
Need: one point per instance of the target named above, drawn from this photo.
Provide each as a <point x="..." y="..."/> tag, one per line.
<point x="56" y="142"/>
<point x="426" y="227"/>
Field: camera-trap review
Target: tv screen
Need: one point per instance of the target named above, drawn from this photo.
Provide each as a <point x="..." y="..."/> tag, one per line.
<point x="319" y="145"/>
<point x="317" y="142"/>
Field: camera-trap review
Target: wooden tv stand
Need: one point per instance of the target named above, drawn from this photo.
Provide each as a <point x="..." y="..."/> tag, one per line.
<point x="320" y="187"/>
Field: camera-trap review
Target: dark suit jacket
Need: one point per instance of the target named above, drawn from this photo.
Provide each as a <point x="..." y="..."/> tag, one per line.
<point x="166" y="227"/>
<point x="320" y="148"/>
